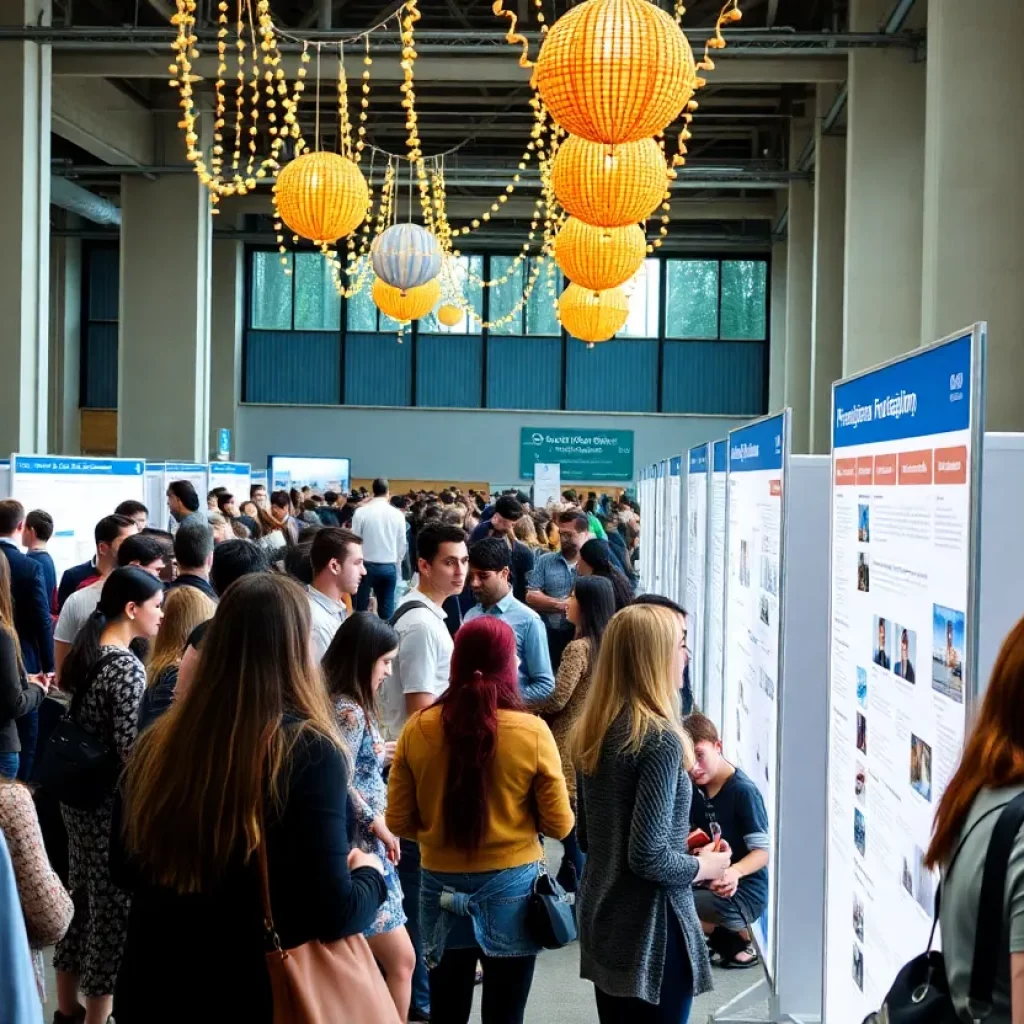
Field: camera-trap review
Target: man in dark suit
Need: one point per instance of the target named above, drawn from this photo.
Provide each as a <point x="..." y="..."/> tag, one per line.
<point x="881" y="654"/>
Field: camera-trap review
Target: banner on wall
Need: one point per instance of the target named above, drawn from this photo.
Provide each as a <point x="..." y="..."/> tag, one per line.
<point x="584" y="455"/>
<point x="905" y="473"/>
<point x="78" y="492"/>
<point x="696" y="556"/>
<point x="319" y="473"/>
<point x="714" y="677"/>
<point x="753" y="659"/>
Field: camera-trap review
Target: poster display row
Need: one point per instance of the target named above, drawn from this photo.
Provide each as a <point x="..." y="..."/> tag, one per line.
<point x="696" y="576"/>
<point x="714" y="668"/>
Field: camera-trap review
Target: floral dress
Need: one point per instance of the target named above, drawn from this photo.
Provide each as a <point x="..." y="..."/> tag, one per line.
<point x="369" y="796"/>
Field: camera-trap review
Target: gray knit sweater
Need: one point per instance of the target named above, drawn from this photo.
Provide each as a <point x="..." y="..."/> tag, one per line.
<point x="632" y="821"/>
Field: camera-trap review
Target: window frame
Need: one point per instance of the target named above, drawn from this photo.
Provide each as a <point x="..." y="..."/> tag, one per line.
<point x="86" y="319"/>
<point x="720" y="259"/>
<point x="250" y="266"/>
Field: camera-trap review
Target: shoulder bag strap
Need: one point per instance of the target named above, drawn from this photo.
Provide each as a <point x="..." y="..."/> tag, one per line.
<point x="988" y="941"/>
<point x="90" y="677"/>
<point x="409" y="606"/>
<point x="268" y="917"/>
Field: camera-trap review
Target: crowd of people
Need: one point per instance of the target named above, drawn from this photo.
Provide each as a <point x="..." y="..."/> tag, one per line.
<point x="303" y="718"/>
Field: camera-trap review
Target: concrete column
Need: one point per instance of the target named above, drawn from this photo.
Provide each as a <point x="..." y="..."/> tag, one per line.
<point x="25" y="232"/>
<point x="164" y="339"/>
<point x="777" y="342"/>
<point x="799" y="270"/>
<point x="973" y="208"/>
<point x="884" y="178"/>
<point x="829" y="253"/>
<point x="226" y="324"/>
<point x="65" y="340"/>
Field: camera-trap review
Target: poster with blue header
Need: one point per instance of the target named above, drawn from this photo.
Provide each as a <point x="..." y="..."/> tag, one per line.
<point x="714" y="674"/>
<point x="906" y="460"/>
<point x="696" y="560"/>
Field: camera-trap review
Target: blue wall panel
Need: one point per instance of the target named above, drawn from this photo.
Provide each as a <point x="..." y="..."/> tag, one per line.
<point x="300" y="367"/>
<point x="448" y="370"/>
<point x="620" y="375"/>
<point x="524" y="373"/>
<point x="378" y="370"/>
<point x="714" y="377"/>
<point x="104" y="283"/>
<point x="100" y="371"/>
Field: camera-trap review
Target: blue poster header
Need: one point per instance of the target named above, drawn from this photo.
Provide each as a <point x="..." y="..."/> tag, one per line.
<point x="927" y="393"/>
<point x="757" y="447"/>
<point x="699" y="459"/>
<point x="229" y="468"/>
<point x="185" y="467"/>
<point x="721" y="457"/>
<point x="675" y="466"/>
<point x="67" y="465"/>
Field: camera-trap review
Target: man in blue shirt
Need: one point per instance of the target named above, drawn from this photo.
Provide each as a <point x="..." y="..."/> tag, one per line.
<point x="508" y="510"/>
<point x="489" y="566"/>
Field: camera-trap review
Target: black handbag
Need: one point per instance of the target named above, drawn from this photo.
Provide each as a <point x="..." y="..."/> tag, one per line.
<point x="77" y="767"/>
<point x="920" y="994"/>
<point x="549" y="914"/>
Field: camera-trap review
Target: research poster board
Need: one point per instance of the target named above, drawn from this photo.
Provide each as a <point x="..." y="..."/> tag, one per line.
<point x="319" y="473"/>
<point x="696" y="565"/>
<point x="648" y="529"/>
<point x="78" y="492"/>
<point x="661" y="527"/>
<point x="258" y="478"/>
<point x="547" y="483"/>
<point x="905" y="471"/>
<point x="235" y="476"/>
<point x="673" y="497"/>
<point x="196" y="473"/>
<point x="5" y="478"/>
<point x="757" y="459"/>
<point x="714" y="600"/>
<point x="156" y="494"/>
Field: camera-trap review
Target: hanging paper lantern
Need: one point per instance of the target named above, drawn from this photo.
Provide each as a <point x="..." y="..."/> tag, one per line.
<point x="609" y="190"/>
<point x="322" y="196"/>
<point x="406" y="256"/>
<point x="407" y="305"/>
<point x="592" y="316"/>
<point x="449" y="315"/>
<point x="615" y="71"/>
<point x="598" y="258"/>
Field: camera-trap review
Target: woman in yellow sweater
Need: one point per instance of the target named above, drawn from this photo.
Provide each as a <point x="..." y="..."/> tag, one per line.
<point x="474" y="780"/>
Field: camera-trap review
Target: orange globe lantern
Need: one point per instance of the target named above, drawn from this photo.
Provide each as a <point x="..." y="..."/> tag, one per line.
<point x="592" y="316"/>
<point x="597" y="258"/>
<point x="609" y="190"/>
<point x="615" y="71"/>
<point x="322" y="196"/>
<point x="449" y="315"/>
<point x="408" y="305"/>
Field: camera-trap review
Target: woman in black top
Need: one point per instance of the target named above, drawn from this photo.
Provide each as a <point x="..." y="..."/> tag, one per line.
<point x="254" y="741"/>
<point x="596" y="560"/>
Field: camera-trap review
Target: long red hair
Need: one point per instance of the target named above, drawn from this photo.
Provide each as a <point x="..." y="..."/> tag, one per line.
<point x="994" y="753"/>
<point x="484" y="680"/>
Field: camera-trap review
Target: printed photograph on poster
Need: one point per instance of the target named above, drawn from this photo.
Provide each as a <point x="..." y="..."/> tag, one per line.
<point x="860" y="832"/>
<point x="863" y="523"/>
<point x="858" y="917"/>
<point x="858" y="966"/>
<point x="880" y="639"/>
<point x="948" y="652"/>
<point x="744" y="564"/>
<point x="769" y="575"/>
<point x="862" y="686"/>
<point x="860" y="786"/>
<point x="863" y="572"/>
<point x="920" y="767"/>
<point x="767" y="685"/>
<point x="924" y="883"/>
<point x="906" y="878"/>
<point x="862" y="733"/>
<point x="906" y="653"/>
<point x="764" y="610"/>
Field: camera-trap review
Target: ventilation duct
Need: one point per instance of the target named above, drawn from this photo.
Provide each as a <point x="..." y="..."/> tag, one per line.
<point x="69" y="196"/>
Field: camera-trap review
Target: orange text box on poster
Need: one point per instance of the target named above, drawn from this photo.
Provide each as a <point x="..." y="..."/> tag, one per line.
<point x="951" y="465"/>
<point x="885" y="470"/>
<point x="915" y="467"/>
<point x="865" y="471"/>
<point x="846" y="471"/>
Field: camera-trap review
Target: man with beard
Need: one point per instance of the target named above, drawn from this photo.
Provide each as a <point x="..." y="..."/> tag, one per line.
<point x="552" y="580"/>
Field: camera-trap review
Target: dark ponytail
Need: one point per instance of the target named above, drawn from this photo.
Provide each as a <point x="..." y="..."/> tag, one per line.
<point x="122" y="587"/>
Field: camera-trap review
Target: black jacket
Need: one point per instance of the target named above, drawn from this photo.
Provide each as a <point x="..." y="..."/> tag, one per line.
<point x="72" y="579"/>
<point x="17" y="696"/>
<point x="31" y="609"/>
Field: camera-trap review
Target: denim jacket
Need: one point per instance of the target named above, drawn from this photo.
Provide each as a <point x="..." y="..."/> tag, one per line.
<point x="494" y="902"/>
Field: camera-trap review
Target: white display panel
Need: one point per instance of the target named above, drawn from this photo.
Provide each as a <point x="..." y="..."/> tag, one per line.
<point x="673" y="533"/>
<point x="648" y="529"/>
<point x="547" y="483"/>
<point x="196" y="473"/>
<point x="235" y="476"/>
<point x="258" y="478"/>
<point x="5" y="478"/>
<point x="78" y="492"/>
<point x="155" y="499"/>
<point x="660" y="475"/>
<point x="320" y="473"/>
<point x="905" y="467"/>
<point x="753" y="663"/>
<point x="714" y="601"/>
<point x="696" y="567"/>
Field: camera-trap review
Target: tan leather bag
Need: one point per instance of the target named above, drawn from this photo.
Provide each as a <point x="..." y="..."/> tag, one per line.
<point x="324" y="982"/>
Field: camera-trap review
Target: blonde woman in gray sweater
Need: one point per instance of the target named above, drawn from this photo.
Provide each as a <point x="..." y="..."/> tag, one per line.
<point x="641" y="943"/>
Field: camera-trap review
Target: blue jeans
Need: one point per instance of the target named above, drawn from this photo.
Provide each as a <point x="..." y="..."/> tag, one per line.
<point x="676" y="989"/>
<point x="409" y="876"/>
<point x="9" y="765"/>
<point x="381" y="578"/>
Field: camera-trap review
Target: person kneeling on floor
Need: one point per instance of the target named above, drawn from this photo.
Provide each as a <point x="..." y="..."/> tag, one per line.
<point x="726" y="799"/>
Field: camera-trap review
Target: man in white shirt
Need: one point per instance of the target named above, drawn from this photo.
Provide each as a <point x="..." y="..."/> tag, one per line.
<point x="337" y="560"/>
<point x="382" y="528"/>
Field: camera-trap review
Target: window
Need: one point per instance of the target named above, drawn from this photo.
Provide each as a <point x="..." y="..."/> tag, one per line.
<point x="691" y="307"/>
<point x="744" y="307"/>
<point x="466" y="274"/>
<point x="537" y="316"/>
<point x="717" y="300"/>
<point x="100" y="300"/>
<point x="644" y="302"/>
<point x="293" y="292"/>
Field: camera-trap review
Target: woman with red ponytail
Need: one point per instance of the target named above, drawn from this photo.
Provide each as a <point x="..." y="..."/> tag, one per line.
<point x="474" y="781"/>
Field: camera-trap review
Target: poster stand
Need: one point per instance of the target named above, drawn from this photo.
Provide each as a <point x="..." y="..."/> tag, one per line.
<point x="673" y="533"/>
<point x="714" y="598"/>
<point x="694" y="546"/>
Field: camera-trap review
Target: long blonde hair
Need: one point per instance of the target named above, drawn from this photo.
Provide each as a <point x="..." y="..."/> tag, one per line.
<point x="184" y="609"/>
<point x="7" y="608"/>
<point x="633" y="674"/>
<point x="201" y="774"/>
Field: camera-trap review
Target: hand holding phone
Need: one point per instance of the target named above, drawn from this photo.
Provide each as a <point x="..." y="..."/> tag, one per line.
<point x="716" y="835"/>
<point x="697" y="839"/>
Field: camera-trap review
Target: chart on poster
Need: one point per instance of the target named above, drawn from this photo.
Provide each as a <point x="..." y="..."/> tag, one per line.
<point x="696" y="551"/>
<point x="756" y="460"/>
<point x="905" y="454"/>
<point x="714" y="677"/>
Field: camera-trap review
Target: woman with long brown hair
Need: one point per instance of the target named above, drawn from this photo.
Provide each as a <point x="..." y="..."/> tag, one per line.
<point x="474" y="780"/>
<point x="250" y="754"/>
<point x="990" y="775"/>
